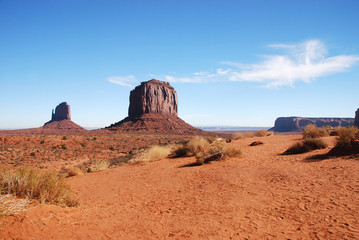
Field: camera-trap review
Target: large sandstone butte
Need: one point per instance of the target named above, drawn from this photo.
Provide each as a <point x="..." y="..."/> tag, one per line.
<point x="297" y="124"/>
<point x="356" y="121"/>
<point x="61" y="120"/>
<point x="153" y="96"/>
<point x="153" y="108"/>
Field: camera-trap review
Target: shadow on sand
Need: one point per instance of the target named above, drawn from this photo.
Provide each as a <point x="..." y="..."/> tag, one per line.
<point x="351" y="153"/>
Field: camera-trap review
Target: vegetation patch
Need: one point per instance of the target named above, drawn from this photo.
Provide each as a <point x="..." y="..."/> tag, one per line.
<point x="347" y="141"/>
<point x="312" y="131"/>
<point x="10" y="205"/>
<point x="32" y="183"/>
<point x="151" y="154"/>
<point x="307" y="145"/>
<point x="206" y="150"/>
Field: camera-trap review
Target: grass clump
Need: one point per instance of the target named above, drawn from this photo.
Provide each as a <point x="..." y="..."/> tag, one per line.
<point x="98" y="165"/>
<point x="151" y="154"/>
<point x="262" y="133"/>
<point x="9" y="205"/>
<point x="242" y="135"/>
<point x="307" y="145"/>
<point x="312" y="131"/>
<point x="206" y="150"/>
<point x="347" y="137"/>
<point x="217" y="151"/>
<point x="42" y="185"/>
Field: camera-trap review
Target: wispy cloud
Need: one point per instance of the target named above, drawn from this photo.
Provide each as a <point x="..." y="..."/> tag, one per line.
<point x="126" y="81"/>
<point x="301" y="62"/>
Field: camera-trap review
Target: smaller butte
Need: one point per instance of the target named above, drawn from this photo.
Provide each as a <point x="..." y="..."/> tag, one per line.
<point x="356" y="121"/>
<point x="61" y="120"/>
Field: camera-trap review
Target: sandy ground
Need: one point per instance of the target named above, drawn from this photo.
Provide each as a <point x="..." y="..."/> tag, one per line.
<point x="263" y="195"/>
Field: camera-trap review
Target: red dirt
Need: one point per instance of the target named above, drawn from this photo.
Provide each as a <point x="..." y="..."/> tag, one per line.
<point x="263" y="195"/>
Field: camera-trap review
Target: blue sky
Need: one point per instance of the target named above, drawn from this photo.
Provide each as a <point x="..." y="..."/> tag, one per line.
<point x="232" y="62"/>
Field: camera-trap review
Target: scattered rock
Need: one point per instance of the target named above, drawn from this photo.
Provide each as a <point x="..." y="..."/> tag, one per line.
<point x="256" y="143"/>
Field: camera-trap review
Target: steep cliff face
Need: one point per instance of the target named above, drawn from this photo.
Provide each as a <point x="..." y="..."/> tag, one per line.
<point x="297" y="124"/>
<point x="153" y="109"/>
<point x="356" y="122"/>
<point x="153" y="96"/>
<point x="62" y="112"/>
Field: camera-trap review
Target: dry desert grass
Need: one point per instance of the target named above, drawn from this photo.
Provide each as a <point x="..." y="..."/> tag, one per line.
<point x="261" y="195"/>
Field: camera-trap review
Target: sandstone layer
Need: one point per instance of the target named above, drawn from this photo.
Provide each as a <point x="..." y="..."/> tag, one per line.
<point x="297" y="124"/>
<point x="153" y="109"/>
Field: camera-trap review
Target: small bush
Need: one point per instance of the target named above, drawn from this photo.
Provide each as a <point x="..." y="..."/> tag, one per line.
<point x="312" y="131"/>
<point x="152" y="154"/>
<point x="261" y="133"/>
<point x="77" y="170"/>
<point x="217" y="151"/>
<point x="238" y="135"/>
<point x="42" y="185"/>
<point x="182" y="151"/>
<point x="98" y="165"/>
<point x="242" y="135"/>
<point x="307" y="145"/>
<point x="198" y="144"/>
<point x="347" y="137"/>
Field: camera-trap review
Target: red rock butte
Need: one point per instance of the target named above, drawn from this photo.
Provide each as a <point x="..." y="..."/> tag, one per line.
<point x="61" y="120"/>
<point x="356" y="121"/>
<point x="154" y="108"/>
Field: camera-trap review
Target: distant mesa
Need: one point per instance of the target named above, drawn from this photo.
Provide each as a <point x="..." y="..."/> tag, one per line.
<point x="61" y="120"/>
<point x="154" y="108"/>
<point x="356" y="122"/>
<point x="297" y="124"/>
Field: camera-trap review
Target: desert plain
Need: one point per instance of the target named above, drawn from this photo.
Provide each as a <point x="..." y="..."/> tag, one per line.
<point x="259" y="195"/>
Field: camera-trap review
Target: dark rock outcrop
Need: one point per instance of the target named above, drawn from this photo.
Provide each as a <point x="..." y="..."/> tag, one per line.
<point x="356" y="122"/>
<point x="62" y="112"/>
<point x="153" y="109"/>
<point x="153" y="96"/>
<point x="61" y="120"/>
<point x="297" y="124"/>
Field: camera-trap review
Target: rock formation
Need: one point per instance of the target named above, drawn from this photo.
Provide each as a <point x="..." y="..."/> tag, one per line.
<point x="297" y="124"/>
<point x="61" y="120"/>
<point x="356" y="121"/>
<point x="62" y="112"/>
<point x="153" y="96"/>
<point x="153" y="108"/>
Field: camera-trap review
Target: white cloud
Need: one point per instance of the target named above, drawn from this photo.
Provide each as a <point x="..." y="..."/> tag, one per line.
<point x="126" y="81"/>
<point x="301" y="62"/>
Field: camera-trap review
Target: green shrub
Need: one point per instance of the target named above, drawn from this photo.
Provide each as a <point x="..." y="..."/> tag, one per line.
<point x="307" y="145"/>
